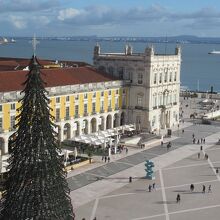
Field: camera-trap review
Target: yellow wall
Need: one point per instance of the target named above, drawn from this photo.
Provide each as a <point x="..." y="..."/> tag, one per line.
<point x="81" y="104"/>
<point x="106" y="100"/>
<point x="6" y="119"/>
<point x="89" y="104"/>
<point x="72" y="109"/>
<point x="7" y="106"/>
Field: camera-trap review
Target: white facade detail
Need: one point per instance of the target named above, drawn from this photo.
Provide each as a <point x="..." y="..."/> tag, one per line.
<point x="154" y="84"/>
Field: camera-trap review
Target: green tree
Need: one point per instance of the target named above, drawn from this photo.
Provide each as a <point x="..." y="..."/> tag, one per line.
<point x="36" y="187"/>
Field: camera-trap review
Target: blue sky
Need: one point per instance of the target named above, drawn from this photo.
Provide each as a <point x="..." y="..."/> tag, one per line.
<point x="110" y="17"/>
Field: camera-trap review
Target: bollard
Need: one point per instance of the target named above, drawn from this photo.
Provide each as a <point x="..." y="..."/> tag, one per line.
<point x="130" y="179"/>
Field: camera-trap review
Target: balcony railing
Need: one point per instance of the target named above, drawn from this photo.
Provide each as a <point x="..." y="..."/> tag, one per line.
<point x="155" y="107"/>
<point x="58" y="119"/>
<point x="94" y="112"/>
<point x="86" y="114"/>
<point x="76" y="115"/>
<point x="102" y="111"/>
<point x="109" y="109"/>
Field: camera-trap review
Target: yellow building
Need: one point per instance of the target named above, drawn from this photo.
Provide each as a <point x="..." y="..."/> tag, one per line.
<point x="83" y="100"/>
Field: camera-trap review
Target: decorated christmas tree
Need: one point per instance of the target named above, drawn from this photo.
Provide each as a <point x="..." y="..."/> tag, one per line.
<point x="36" y="187"/>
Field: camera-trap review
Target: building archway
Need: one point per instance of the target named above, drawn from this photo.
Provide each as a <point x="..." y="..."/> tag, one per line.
<point x="109" y="122"/>
<point x="2" y="145"/>
<point x="122" y="121"/>
<point x="116" y="122"/>
<point x="93" y="125"/>
<point x="66" y="131"/>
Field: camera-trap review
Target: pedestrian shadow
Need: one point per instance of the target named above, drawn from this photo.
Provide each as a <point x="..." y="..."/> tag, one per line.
<point x="195" y="192"/>
<point x="165" y="202"/>
<point x="181" y="191"/>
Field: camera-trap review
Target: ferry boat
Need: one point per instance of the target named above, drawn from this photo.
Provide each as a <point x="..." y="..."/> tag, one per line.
<point x="214" y="52"/>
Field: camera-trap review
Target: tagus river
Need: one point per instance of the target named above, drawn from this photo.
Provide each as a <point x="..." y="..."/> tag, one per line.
<point x="199" y="70"/>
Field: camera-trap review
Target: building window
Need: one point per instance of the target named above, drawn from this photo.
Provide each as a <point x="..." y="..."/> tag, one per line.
<point x="94" y="94"/>
<point x="116" y="91"/>
<point x="160" y="80"/>
<point x="123" y="102"/>
<point x="77" y="97"/>
<point x="76" y="109"/>
<point x="123" y="91"/>
<point x="109" y="92"/>
<point x="102" y="105"/>
<point x="111" y="70"/>
<point x="57" y="99"/>
<point x="57" y="113"/>
<point x="154" y="100"/>
<point x="161" y="100"/>
<point x="140" y="78"/>
<point x="175" y="76"/>
<point x="12" y="123"/>
<point x="155" y="78"/>
<point x="1" y="124"/>
<point x="67" y="98"/>
<point x="116" y="102"/>
<point x="85" y="108"/>
<point x="13" y="106"/>
<point x="109" y="103"/>
<point x="0" y="108"/>
<point x="153" y="121"/>
<point x="121" y="72"/>
<point x="139" y="100"/>
<point x="102" y="93"/>
<point x="67" y="112"/>
<point x="93" y="107"/>
<point x="165" y="77"/>
<point x="170" y="77"/>
<point x="85" y="96"/>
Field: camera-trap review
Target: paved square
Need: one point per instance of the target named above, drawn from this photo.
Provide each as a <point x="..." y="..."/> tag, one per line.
<point x="134" y="202"/>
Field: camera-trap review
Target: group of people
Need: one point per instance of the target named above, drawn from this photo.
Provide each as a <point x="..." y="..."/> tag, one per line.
<point x="192" y="187"/>
<point x="199" y="140"/>
<point x="150" y="187"/>
<point x="105" y="158"/>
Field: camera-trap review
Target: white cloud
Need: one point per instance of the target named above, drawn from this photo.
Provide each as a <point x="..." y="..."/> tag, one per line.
<point x="18" y="22"/>
<point x="68" y="13"/>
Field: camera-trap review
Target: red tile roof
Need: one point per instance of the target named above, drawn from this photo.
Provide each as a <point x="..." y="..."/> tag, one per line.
<point x="12" y="80"/>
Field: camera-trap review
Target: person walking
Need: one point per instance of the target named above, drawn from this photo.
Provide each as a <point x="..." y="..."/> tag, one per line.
<point x="178" y="198"/>
<point x="108" y="159"/>
<point x="153" y="185"/>
<point x="201" y="148"/>
<point x="105" y="159"/>
<point x="198" y="155"/>
<point x="203" y="188"/>
<point x="193" y="135"/>
<point x="216" y="170"/>
<point x="204" y="141"/>
<point x="149" y="188"/>
<point x="209" y="189"/>
<point x="191" y="187"/>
